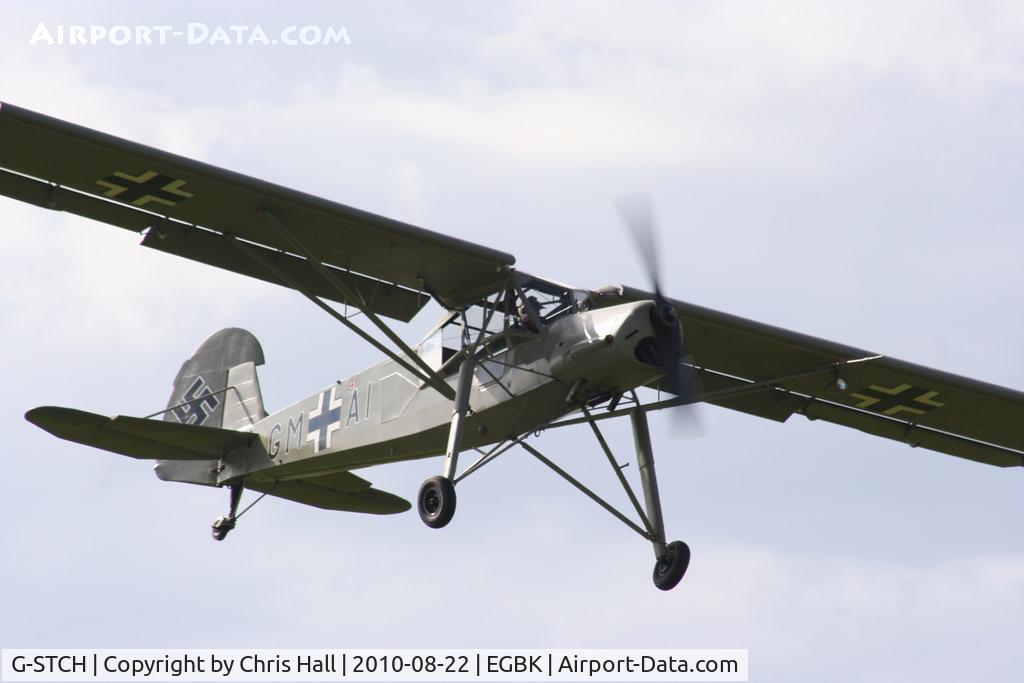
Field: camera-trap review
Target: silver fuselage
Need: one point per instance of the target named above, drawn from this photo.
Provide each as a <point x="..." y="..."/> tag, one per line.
<point x="384" y="414"/>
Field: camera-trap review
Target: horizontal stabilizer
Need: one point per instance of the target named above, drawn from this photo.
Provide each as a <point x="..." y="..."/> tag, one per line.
<point x="138" y="437"/>
<point x="339" y="491"/>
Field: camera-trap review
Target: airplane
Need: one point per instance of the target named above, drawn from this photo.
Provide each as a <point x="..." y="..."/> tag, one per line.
<point x="513" y="355"/>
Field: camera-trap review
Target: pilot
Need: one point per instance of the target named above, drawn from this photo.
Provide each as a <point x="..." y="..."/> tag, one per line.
<point x="525" y="319"/>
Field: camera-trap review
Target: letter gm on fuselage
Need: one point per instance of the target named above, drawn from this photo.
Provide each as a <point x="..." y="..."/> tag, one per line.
<point x="293" y="437"/>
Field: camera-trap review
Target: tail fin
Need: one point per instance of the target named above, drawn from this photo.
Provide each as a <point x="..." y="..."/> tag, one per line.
<point x="218" y="386"/>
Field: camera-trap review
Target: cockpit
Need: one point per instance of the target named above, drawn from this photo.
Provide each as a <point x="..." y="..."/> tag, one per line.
<point x="523" y="310"/>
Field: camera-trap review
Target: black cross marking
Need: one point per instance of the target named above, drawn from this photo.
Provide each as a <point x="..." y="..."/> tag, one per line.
<point x="893" y="400"/>
<point x="133" y="190"/>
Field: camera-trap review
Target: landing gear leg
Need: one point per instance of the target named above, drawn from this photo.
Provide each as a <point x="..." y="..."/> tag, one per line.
<point x="673" y="558"/>
<point x="436" y="501"/>
<point x="223" y="525"/>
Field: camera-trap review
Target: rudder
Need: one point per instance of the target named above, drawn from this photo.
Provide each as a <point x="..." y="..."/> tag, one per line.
<point x="217" y="386"/>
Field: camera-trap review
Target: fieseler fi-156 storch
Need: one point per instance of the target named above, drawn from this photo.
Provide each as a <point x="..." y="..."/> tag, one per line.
<point x="512" y="355"/>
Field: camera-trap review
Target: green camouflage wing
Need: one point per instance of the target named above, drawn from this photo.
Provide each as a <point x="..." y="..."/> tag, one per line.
<point x="202" y="212"/>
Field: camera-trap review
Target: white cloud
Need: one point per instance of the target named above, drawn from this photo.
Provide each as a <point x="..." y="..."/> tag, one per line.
<point x="755" y="49"/>
<point x="699" y="86"/>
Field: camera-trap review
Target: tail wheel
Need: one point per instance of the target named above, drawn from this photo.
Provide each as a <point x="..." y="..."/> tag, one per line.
<point x="671" y="566"/>
<point x="436" y="502"/>
<point x="221" y="527"/>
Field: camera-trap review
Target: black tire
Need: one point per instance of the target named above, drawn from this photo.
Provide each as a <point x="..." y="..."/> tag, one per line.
<point x="219" y="533"/>
<point x="436" y="502"/>
<point x="671" y="566"/>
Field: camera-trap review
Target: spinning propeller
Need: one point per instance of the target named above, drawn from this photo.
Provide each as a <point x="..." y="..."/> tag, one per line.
<point x="638" y="213"/>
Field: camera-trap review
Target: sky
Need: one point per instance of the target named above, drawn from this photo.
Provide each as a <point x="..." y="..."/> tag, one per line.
<point x="846" y="170"/>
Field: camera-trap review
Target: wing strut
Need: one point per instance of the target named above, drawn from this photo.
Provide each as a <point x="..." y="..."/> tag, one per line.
<point x="426" y="372"/>
<point x="618" y="468"/>
<point x="590" y="494"/>
<point x="432" y="379"/>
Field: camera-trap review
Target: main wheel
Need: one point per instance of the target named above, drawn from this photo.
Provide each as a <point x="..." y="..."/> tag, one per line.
<point x="671" y="566"/>
<point x="436" y="502"/>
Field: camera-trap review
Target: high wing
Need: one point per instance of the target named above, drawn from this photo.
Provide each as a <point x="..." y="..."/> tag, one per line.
<point x="239" y="223"/>
<point x="773" y="373"/>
